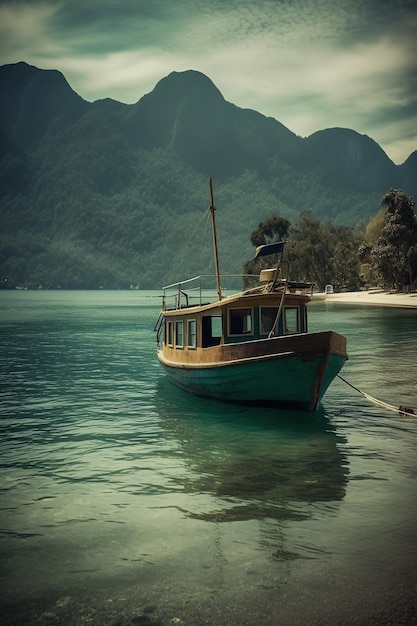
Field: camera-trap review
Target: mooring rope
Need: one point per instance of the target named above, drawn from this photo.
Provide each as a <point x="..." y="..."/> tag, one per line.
<point x="397" y="409"/>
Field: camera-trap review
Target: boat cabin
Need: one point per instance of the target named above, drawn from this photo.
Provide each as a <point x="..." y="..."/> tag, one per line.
<point x="270" y="310"/>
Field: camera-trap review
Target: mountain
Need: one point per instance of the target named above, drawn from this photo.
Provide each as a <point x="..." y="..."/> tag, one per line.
<point x="187" y="113"/>
<point x="36" y="101"/>
<point x="409" y="173"/>
<point x="103" y="194"/>
<point x="350" y="161"/>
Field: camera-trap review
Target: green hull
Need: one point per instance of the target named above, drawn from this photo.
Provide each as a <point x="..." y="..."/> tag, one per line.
<point x="286" y="381"/>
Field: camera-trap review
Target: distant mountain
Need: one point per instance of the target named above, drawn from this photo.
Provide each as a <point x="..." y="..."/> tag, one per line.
<point x="187" y="113"/>
<point x="36" y="101"/>
<point x="104" y="193"/>
<point x="349" y="160"/>
<point x="409" y="174"/>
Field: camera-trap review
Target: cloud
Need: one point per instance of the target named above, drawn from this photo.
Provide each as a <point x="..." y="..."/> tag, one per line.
<point x="125" y="76"/>
<point x="333" y="83"/>
<point x="22" y="29"/>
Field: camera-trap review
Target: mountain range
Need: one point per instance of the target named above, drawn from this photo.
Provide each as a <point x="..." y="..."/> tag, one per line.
<point x="108" y="194"/>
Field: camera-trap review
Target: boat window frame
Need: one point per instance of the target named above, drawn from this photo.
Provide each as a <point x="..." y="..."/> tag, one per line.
<point x="285" y="330"/>
<point x="169" y="333"/>
<point x="265" y="333"/>
<point x="192" y="346"/>
<point x="251" y="315"/>
<point x="177" y="324"/>
<point x="216" y="327"/>
<point x="210" y="323"/>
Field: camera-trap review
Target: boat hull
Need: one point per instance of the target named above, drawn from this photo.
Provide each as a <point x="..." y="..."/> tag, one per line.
<point x="295" y="379"/>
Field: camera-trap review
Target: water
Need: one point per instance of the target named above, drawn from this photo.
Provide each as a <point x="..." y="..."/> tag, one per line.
<point x="126" y="501"/>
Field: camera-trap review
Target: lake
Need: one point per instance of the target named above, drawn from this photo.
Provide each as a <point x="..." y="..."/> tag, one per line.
<point x="126" y="501"/>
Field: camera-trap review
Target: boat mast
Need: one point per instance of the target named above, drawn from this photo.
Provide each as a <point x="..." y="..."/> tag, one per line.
<point x="216" y="254"/>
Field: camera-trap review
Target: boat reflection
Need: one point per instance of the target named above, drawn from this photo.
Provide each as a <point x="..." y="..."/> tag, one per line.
<point x="247" y="463"/>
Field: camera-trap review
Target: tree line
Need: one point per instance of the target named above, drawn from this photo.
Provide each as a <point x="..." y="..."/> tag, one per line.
<point x="382" y="254"/>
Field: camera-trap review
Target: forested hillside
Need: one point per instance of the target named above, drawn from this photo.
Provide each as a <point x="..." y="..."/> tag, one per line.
<point x="110" y="195"/>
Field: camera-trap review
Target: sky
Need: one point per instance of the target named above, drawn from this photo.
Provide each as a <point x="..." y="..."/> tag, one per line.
<point x="310" y="64"/>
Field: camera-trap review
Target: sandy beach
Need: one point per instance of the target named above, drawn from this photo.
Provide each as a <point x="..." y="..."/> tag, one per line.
<point x="373" y="297"/>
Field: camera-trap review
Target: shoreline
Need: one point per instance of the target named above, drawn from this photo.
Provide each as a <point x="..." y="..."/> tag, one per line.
<point x="373" y="297"/>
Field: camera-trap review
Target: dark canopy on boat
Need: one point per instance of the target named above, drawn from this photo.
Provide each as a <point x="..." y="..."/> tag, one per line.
<point x="269" y="248"/>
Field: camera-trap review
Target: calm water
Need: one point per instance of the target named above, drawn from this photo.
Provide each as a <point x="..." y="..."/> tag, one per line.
<point x="126" y="501"/>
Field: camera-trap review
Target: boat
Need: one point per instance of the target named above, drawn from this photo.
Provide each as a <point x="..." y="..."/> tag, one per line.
<point x="252" y="347"/>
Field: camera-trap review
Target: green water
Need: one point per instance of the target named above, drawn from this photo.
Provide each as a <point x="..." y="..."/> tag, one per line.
<point x="125" y="500"/>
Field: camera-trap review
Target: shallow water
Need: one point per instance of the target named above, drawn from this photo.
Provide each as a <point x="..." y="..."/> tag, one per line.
<point x="125" y="500"/>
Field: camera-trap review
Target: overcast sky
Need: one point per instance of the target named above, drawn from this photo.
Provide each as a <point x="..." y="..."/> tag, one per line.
<point x="311" y="64"/>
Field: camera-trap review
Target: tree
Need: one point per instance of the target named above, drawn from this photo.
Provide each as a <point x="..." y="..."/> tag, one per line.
<point x="274" y="228"/>
<point x="367" y="270"/>
<point x="308" y="251"/>
<point x="344" y="260"/>
<point x="315" y="252"/>
<point x="394" y="255"/>
<point x="324" y="253"/>
<point x="375" y="226"/>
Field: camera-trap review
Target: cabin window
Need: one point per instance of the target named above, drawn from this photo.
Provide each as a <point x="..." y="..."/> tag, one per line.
<point x="291" y="320"/>
<point x="267" y="319"/>
<point x="240" y="321"/>
<point x="211" y="326"/>
<point x="179" y="334"/>
<point x="191" y="334"/>
<point x="169" y="338"/>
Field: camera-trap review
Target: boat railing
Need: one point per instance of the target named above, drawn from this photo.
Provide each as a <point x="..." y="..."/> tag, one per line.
<point x="159" y="328"/>
<point x="196" y="291"/>
<point x="200" y="290"/>
<point x="294" y="286"/>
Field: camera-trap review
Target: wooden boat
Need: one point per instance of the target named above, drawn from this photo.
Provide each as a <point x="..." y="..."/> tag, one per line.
<point x="252" y="347"/>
